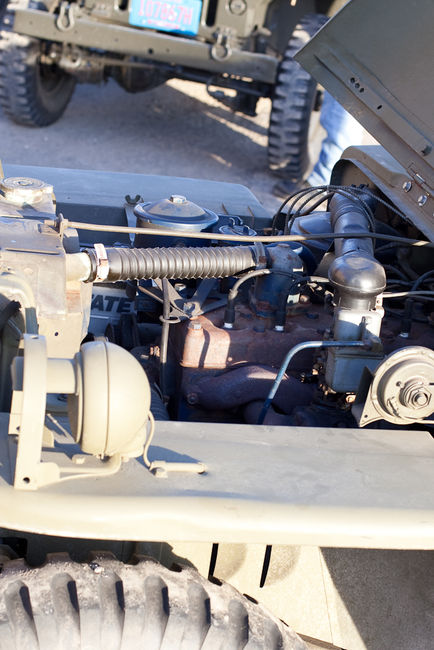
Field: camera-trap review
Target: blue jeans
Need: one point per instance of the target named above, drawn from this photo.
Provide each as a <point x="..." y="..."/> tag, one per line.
<point x="342" y="131"/>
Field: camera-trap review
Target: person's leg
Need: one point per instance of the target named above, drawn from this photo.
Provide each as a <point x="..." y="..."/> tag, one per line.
<point x="342" y="131"/>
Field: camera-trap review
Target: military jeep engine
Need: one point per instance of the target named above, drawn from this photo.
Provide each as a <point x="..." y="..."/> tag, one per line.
<point x="186" y="377"/>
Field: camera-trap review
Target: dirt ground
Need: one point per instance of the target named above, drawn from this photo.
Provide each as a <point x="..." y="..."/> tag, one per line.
<point x="174" y="130"/>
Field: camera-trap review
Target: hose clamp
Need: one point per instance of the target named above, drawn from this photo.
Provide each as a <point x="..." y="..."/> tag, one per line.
<point x="260" y="255"/>
<point x="102" y="263"/>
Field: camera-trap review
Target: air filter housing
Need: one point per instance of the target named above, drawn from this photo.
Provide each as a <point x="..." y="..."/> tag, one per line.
<point x="174" y="213"/>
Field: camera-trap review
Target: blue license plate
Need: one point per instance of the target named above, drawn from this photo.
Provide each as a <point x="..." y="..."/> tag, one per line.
<point x="180" y="16"/>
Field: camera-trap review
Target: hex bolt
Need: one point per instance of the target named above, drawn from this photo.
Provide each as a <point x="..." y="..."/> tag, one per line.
<point x="177" y="198"/>
<point x="406" y="186"/>
<point x="188" y="308"/>
<point x="194" y="325"/>
<point x="421" y="399"/>
<point x="415" y="394"/>
<point x="237" y="7"/>
<point x="422" y="199"/>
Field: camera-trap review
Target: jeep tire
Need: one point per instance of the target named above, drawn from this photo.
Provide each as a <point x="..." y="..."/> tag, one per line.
<point x="109" y="605"/>
<point x="292" y="104"/>
<point x="31" y="93"/>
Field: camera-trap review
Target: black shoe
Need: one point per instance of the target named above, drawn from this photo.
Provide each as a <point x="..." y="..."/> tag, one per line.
<point x="285" y="188"/>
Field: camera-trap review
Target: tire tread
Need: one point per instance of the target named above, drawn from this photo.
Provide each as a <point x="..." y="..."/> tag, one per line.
<point x="20" y="96"/>
<point x="291" y="108"/>
<point x="131" y="606"/>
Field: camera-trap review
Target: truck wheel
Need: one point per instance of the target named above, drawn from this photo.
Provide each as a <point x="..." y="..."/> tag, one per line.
<point x="292" y="103"/>
<point x="31" y="92"/>
<point x="109" y="605"/>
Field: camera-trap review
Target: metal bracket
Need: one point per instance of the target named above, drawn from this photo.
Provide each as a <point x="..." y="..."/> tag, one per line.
<point x="194" y="306"/>
<point x="66" y="18"/>
<point x="221" y="50"/>
<point x="32" y="451"/>
<point x="184" y="309"/>
<point x="419" y="179"/>
<point x="26" y="425"/>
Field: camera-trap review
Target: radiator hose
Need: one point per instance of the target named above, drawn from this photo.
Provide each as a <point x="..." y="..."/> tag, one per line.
<point x="116" y="264"/>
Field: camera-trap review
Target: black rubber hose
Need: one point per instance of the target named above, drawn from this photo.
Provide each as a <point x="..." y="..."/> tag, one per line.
<point x="407" y="318"/>
<point x="174" y="263"/>
<point x="347" y="214"/>
<point x="356" y="275"/>
<point x="421" y="279"/>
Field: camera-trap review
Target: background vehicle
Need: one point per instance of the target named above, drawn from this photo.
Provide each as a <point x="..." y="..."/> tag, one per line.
<point x="285" y="494"/>
<point x="243" y="47"/>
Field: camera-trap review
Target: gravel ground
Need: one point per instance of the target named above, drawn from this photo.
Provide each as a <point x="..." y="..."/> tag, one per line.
<point x="175" y="130"/>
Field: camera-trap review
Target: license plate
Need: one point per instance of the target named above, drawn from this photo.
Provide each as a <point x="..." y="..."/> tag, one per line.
<point x="181" y="16"/>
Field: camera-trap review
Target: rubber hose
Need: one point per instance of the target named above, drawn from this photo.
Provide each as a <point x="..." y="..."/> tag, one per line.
<point x="348" y="215"/>
<point x="174" y="263"/>
<point x="355" y="274"/>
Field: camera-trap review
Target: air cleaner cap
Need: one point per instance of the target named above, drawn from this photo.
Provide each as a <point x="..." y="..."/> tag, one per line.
<point x="359" y="279"/>
<point x="176" y="213"/>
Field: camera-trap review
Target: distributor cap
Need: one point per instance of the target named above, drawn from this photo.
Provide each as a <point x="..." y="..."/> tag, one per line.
<point x="176" y="212"/>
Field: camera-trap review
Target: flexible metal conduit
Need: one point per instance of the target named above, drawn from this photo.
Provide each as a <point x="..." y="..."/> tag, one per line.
<point x="173" y="263"/>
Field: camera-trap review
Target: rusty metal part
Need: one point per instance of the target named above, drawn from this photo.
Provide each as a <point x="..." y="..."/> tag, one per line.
<point x="242" y="385"/>
<point x="252" y="340"/>
<point x="421" y="334"/>
<point x="209" y="346"/>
